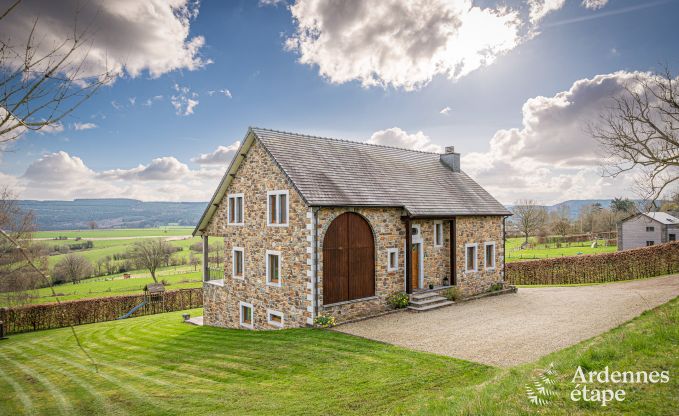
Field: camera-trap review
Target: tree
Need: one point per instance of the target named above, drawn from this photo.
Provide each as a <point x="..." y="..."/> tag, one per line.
<point x="92" y="225"/>
<point x="641" y="132"/>
<point x="529" y="216"/>
<point x="193" y="261"/>
<point x="72" y="268"/>
<point x="623" y="205"/>
<point x="150" y="254"/>
<point x="39" y="87"/>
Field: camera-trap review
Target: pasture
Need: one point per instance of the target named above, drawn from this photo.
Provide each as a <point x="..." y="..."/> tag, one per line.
<point x="546" y="251"/>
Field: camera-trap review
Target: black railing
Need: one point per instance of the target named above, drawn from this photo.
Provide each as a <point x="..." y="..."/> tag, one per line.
<point x="215" y="273"/>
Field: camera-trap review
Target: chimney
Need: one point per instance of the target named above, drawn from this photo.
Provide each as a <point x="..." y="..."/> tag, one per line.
<point x="451" y="159"/>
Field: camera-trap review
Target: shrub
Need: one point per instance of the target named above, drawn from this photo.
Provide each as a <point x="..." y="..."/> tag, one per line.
<point x="453" y="294"/>
<point x="325" y="321"/>
<point x="398" y="300"/>
<point x="495" y="287"/>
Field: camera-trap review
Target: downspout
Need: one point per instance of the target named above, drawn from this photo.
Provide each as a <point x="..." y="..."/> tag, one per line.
<point x="314" y="270"/>
<point x="206" y="257"/>
<point x="504" y="249"/>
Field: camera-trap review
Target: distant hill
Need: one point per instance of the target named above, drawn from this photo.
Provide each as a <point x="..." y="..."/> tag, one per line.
<point x="575" y="205"/>
<point x="112" y="213"/>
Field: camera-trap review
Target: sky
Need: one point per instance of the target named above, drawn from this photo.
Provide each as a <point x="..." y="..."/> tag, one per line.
<point x="512" y="85"/>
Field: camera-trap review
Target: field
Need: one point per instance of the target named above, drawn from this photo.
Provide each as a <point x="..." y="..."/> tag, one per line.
<point x="118" y="233"/>
<point x="159" y="365"/>
<point x="543" y="251"/>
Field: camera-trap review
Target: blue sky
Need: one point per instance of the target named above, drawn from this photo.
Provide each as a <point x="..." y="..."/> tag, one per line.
<point x="244" y="53"/>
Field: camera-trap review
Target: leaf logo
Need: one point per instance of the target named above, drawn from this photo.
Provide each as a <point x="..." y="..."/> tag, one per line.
<point x="539" y="391"/>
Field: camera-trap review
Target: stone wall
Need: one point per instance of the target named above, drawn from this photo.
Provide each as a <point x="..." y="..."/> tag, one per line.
<point x="479" y="230"/>
<point x="258" y="174"/>
<point x="436" y="260"/>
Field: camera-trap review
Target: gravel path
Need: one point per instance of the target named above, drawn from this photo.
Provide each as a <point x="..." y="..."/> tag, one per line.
<point x="518" y="328"/>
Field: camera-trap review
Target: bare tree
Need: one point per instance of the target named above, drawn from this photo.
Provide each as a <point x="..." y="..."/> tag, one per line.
<point x="40" y="87"/>
<point x="529" y="217"/>
<point x="92" y="225"/>
<point x="641" y="131"/>
<point x="150" y="254"/>
<point x="72" y="268"/>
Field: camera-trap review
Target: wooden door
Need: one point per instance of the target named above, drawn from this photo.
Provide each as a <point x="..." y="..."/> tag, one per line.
<point x="348" y="259"/>
<point x="415" y="267"/>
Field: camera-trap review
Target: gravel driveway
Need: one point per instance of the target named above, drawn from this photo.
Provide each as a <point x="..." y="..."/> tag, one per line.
<point x="522" y="327"/>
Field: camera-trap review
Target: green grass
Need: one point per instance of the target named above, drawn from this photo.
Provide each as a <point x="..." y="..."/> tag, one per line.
<point x="122" y="232"/>
<point x="115" y="285"/>
<point x="158" y="365"/>
<point x="543" y="251"/>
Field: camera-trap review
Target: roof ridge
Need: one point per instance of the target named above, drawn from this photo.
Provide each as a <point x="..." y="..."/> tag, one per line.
<point x="343" y="140"/>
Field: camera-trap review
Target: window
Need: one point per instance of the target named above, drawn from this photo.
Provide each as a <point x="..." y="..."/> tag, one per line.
<point x="274" y="318"/>
<point x="672" y="237"/>
<point x="650" y="243"/>
<point x="470" y="260"/>
<point x="489" y="258"/>
<point x="392" y="261"/>
<point x="650" y="229"/>
<point x="238" y="263"/>
<point x="273" y="268"/>
<point x="246" y="315"/>
<point x="235" y="211"/>
<point x="277" y="208"/>
<point x="438" y="234"/>
<point x="415" y="230"/>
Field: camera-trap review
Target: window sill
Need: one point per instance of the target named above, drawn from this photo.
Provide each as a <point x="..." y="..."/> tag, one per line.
<point x="218" y="282"/>
<point x="242" y="279"/>
<point x="237" y="224"/>
<point x="277" y="225"/>
<point x="346" y="302"/>
<point x="274" y="284"/>
<point x="247" y="326"/>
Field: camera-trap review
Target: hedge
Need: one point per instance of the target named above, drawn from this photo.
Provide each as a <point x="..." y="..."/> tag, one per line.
<point x="87" y="311"/>
<point x="637" y="263"/>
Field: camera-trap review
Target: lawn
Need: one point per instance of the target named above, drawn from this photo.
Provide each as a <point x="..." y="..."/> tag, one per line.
<point x="543" y="251"/>
<point x="158" y="365"/>
<point x="117" y="233"/>
<point x="115" y="285"/>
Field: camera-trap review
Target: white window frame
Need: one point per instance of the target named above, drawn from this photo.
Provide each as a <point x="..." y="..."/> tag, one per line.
<point x="280" y="268"/>
<point x="389" y="267"/>
<point x="252" y="313"/>
<point x="270" y="312"/>
<point x="287" y="208"/>
<point x="438" y="223"/>
<point x="485" y="259"/>
<point x="233" y="263"/>
<point x="228" y="209"/>
<point x="476" y="257"/>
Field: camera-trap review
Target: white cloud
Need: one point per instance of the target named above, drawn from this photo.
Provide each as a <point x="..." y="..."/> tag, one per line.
<point x="397" y="137"/>
<point x="594" y="4"/>
<point x="149" y="101"/>
<point x="84" y="126"/>
<point x="263" y="3"/>
<point x="220" y="156"/>
<point x="52" y="128"/>
<point x="184" y="101"/>
<point x="400" y="44"/>
<point x="540" y="8"/>
<point x="132" y="100"/>
<point x="128" y="36"/>
<point x="225" y="92"/>
<point x="552" y="157"/>
<point x="445" y="111"/>
<point x="60" y="175"/>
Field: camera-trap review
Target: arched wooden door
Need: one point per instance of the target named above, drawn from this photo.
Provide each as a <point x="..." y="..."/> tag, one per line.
<point x="348" y="259"/>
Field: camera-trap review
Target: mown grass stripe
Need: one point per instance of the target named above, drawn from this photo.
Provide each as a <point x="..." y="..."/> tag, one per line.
<point x="24" y="398"/>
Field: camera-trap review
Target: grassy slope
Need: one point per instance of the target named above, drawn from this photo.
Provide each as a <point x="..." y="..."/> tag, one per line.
<point x="541" y="252"/>
<point x="157" y="365"/>
<point x="123" y="232"/>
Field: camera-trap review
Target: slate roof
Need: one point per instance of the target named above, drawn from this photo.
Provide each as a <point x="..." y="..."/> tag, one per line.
<point x="333" y="172"/>
<point x="663" y="218"/>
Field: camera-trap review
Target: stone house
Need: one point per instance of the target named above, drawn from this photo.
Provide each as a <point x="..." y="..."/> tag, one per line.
<point x="319" y="226"/>
<point x="647" y="229"/>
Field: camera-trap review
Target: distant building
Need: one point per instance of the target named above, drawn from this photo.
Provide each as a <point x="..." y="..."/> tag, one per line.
<point x="647" y="229"/>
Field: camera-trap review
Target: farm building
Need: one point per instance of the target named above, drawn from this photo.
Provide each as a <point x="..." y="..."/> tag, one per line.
<point x="647" y="229"/>
<point x="319" y="226"/>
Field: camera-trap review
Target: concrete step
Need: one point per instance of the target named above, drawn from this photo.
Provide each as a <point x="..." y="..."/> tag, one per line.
<point x="430" y="306"/>
<point x="427" y="300"/>
<point x="423" y="295"/>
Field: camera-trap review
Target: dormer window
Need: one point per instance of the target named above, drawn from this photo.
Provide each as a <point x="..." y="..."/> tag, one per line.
<point x="277" y="208"/>
<point x="235" y="209"/>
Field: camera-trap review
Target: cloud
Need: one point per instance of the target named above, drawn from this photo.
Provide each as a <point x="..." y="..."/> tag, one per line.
<point x="540" y="8"/>
<point x="220" y="156"/>
<point x="396" y="137"/>
<point x="224" y="92"/>
<point x="445" y="111"/>
<point x="52" y="128"/>
<point x="149" y="101"/>
<point x="400" y="44"/>
<point x="84" y="126"/>
<point x="60" y="175"/>
<point x="264" y="3"/>
<point x="184" y="101"/>
<point x="594" y="4"/>
<point x="127" y="36"/>
<point x="552" y="157"/>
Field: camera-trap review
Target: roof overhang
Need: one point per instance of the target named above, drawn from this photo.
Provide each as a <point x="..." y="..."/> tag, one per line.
<point x="217" y="197"/>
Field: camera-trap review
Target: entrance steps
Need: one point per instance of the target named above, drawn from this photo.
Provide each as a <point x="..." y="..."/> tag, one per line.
<point x="426" y="301"/>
